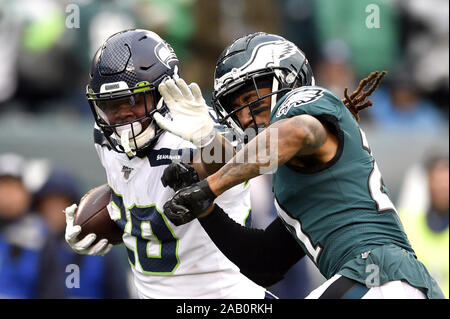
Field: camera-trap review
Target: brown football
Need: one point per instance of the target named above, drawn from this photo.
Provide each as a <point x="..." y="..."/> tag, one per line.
<point x="93" y="217"/>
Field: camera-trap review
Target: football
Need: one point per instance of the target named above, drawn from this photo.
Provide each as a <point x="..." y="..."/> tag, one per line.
<point x="93" y="217"/>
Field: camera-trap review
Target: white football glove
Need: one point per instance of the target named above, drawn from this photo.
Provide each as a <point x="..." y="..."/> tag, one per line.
<point x="83" y="246"/>
<point x="190" y="117"/>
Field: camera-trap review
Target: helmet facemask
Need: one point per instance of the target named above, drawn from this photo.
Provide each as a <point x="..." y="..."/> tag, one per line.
<point x="249" y="59"/>
<point x="278" y="80"/>
<point x="126" y="136"/>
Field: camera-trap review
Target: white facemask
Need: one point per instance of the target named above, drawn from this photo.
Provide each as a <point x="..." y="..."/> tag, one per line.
<point x="124" y="137"/>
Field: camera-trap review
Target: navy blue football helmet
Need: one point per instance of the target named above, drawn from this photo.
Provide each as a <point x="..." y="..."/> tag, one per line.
<point x="252" y="62"/>
<point x="126" y="70"/>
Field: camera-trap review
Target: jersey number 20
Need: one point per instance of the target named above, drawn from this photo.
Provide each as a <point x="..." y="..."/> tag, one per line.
<point x="152" y="243"/>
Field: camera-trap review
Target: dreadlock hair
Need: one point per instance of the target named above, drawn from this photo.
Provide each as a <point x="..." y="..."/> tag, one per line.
<point x="357" y="100"/>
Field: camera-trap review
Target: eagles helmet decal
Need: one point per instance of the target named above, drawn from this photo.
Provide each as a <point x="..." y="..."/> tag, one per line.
<point x="264" y="55"/>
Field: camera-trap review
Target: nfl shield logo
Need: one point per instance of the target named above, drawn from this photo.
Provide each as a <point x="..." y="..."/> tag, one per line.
<point x="126" y="171"/>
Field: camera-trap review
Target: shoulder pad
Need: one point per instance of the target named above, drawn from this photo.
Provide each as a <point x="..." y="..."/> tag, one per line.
<point x="303" y="100"/>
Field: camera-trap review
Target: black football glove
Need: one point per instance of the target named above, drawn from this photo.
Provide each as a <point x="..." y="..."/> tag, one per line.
<point x="189" y="203"/>
<point x="179" y="175"/>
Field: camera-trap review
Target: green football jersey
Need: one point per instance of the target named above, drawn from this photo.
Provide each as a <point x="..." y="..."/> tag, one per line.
<point x="341" y="209"/>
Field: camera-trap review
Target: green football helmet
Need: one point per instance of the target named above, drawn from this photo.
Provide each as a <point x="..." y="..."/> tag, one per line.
<point x="251" y="62"/>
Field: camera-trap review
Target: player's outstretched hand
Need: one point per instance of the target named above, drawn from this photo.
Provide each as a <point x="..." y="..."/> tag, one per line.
<point x="179" y="175"/>
<point x="190" y="117"/>
<point x="83" y="246"/>
<point x="189" y="203"/>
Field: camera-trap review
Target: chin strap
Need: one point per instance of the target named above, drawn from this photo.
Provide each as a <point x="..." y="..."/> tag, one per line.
<point x="126" y="139"/>
<point x="125" y="142"/>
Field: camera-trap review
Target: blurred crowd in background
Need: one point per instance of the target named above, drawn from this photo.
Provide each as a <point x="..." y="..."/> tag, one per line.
<point x="47" y="158"/>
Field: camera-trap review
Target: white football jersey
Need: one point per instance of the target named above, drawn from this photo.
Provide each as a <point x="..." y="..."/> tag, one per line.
<point x="171" y="261"/>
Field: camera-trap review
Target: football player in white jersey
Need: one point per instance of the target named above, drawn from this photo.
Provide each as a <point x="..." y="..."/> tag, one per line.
<point x="167" y="261"/>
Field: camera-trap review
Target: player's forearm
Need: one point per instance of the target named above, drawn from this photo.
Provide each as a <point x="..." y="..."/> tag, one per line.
<point x="216" y="154"/>
<point x="269" y="150"/>
<point x="213" y="157"/>
<point x="264" y="256"/>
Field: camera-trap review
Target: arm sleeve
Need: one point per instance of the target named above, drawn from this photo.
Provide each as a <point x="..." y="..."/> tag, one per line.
<point x="264" y="256"/>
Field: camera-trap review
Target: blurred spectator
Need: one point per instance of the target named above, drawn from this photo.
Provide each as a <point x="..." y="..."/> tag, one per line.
<point x="217" y="23"/>
<point x="47" y="66"/>
<point x="173" y="20"/>
<point x="100" y="276"/>
<point x="334" y="70"/>
<point x="425" y="42"/>
<point x="401" y="107"/>
<point x="29" y="266"/>
<point x="9" y="34"/>
<point x="47" y="58"/>
<point x="428" y="229"/>
<point x="38" y="57"/>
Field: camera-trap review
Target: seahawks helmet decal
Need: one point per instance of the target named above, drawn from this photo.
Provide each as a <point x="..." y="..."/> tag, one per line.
<point x="165" y="54"/>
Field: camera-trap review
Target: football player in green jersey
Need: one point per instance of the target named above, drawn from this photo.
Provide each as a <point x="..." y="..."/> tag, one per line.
<point x="329" y="194"/>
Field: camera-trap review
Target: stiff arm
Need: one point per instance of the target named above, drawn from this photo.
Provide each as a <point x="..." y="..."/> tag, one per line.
<point x="283" y="140"/>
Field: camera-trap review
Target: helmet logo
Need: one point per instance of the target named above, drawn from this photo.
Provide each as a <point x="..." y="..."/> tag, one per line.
<point x="269" y="54"/>
<point x="165" y="54"/>
<point x="264" y="55"/>
<point x="126" y="171"/>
